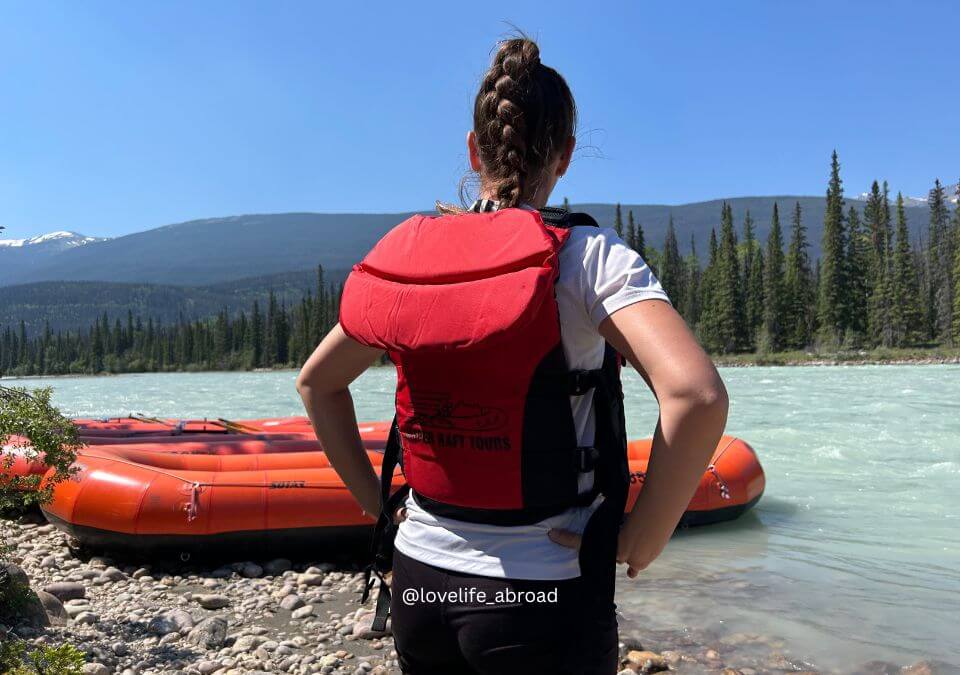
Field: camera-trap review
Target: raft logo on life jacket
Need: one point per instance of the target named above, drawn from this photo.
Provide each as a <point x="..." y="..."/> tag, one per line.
<point x="436" y="411"/>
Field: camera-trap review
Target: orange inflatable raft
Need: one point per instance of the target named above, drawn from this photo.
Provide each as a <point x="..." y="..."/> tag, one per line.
<point x="234" y="492"/>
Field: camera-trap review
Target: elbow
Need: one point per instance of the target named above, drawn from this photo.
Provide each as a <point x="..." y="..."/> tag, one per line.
<point x="705" y="398"/>
<point x="302" y="384"/>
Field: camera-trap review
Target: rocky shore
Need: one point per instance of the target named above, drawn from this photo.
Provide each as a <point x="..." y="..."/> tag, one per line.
<point x="275" y="616"/>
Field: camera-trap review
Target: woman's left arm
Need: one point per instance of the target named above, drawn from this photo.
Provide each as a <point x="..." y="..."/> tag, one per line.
<point x="323" y="385"/>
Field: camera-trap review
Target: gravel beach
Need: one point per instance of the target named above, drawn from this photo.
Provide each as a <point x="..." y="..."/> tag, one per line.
<point x="278" y="616"/>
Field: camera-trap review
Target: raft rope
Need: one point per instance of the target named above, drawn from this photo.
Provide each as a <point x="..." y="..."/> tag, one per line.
<point x="721" y="484"/>
<point x="194" y="488"/>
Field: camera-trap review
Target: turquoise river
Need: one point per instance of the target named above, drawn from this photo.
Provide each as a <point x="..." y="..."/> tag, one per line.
<point x="852" y="555"/>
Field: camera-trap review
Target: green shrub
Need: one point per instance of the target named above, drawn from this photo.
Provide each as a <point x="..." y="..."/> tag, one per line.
<point x="15" y="659"/>
<point x="44" y="434"/>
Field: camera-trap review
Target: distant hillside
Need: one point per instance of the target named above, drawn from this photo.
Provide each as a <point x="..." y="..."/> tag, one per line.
<point x="20" y="256"/>
<point x="215" y="250"/>
<point x="68" y="305"/>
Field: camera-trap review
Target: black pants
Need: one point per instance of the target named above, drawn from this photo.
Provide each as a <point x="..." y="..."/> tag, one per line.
<point x="485" y="625"/>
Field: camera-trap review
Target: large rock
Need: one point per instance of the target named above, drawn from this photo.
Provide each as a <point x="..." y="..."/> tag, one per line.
<point x="19" y="605"/>
<point x="209" y="633"/>
<point x="95" y="669"/>
<point x="292" y="602"/>
<point x="66" y="590"/>
<point x="174" y="621"/>
<point x="56" y="612"/>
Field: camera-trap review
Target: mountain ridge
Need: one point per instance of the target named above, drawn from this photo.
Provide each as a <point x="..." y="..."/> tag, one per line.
<point x="213" y="250"/>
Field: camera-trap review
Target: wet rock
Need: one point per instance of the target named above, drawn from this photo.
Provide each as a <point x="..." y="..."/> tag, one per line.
<point x="277" y="566"/>
<point x="251" y="570"/>
<point x="646" y="661"/>
<point x="877" y="668"/>
<point x="66" y="590"/>
<point x="926" y="668"/>
<point x="212" y="601"/>
<point x="56" y="613"/>
<point x="209" y="633"/>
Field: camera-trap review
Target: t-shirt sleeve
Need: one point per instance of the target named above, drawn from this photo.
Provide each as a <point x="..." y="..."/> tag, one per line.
<point x="614" y="276"/>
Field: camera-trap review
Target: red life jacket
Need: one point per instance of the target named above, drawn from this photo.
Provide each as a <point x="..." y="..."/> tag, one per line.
<point x="465" y="307"/>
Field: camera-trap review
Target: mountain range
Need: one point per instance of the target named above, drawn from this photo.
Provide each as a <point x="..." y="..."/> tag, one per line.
<point x="214" y="250"/>
<point x="196" y="268"/>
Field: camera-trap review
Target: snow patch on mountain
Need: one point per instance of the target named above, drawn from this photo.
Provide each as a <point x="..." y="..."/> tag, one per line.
<point x="63" y="238"/>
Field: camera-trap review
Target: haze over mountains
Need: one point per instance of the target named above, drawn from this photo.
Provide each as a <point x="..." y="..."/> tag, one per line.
<point x="195" y="268"/>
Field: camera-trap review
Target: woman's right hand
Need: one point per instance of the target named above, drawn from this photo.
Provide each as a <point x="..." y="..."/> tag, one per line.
<point x="639" y="544"/>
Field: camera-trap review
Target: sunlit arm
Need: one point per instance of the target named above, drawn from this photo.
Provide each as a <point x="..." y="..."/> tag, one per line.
<point x="693" y="412"/>
<point x="323" y="385"/>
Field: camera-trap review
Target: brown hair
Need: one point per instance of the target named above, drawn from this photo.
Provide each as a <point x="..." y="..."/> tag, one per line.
<point x="522" y="116"/>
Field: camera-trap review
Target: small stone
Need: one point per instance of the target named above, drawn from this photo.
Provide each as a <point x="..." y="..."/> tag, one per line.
<point x="310" y="579"/>
<point x="86" y="618"/>
<point x="291" y="602"/>
<point x="95" y="669"/>
<point x="49" y="562"/>
<point x="302" y="612"/>
<point x="329" y="660"/>
<point x="66" y="590"/>
<point x="363" y="628"/>
<point x="212" y="601"/>
<point x="209" y="633"/>
<point x="113" y="574"/>
<point x="207" y="667"/>
<point x="646" y="661"/>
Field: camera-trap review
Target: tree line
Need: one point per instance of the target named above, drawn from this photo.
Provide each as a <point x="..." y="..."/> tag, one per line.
<point x="871" y="287"/>
<point x="266" y="337"/>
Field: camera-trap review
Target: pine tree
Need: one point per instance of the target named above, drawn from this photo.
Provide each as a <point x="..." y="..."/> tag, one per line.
<point x="752" y="280"/>
<point x="671" y="265"/>
<point x="906" y="318"/>
<point x="692" y="275"/>
<point x="799" y="291"/>
<point x="618" y="222"/>
<point x="940" y="266"/>
<point x="857" y="265"/>
<point x="726" y="318"/>
<point x="566" y="204"/>
<point x="256" y="337"/>
<point x="631" y="231"/>
<point x="639" y="244"/>
<point x="956" y="269"/>
<point x="834" y="289"/>
<point x="774" y="280"/>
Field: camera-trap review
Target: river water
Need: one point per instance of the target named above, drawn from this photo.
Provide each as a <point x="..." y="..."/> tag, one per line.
<point x="851" y="555"/>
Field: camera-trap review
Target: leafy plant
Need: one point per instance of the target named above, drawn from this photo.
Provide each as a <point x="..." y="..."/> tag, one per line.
<point x="15" y="659"/>
<point x="33" y="430"/>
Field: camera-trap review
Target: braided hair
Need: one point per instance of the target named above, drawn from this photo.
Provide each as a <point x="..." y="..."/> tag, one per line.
<point x="522" y="116"/>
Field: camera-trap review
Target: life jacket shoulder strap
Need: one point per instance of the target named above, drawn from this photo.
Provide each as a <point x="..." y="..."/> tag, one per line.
<point x="558" y="217"/>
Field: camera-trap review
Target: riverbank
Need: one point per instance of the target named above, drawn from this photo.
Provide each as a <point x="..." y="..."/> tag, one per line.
<point x="277" y="616"/>
<point x="873" y="357"/>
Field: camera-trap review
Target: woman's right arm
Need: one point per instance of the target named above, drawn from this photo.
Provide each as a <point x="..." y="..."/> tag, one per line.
<point x="693" y="412"/>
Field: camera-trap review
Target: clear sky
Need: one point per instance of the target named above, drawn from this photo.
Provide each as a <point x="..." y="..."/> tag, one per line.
<point x="120" y="116"/>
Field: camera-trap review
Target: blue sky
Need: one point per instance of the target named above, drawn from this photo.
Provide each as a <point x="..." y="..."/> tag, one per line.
<point x="117" y="117"/>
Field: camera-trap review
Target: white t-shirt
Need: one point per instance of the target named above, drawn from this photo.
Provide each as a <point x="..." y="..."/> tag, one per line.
<point x="599" y="274"/>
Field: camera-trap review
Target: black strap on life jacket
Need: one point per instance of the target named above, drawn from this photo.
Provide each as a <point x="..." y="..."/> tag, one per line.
<point x="607" y="458"/>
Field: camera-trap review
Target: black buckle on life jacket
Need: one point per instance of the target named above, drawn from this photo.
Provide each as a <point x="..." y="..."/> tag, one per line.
<point x="587" y="458"/>
<point x="582" y="381"/>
